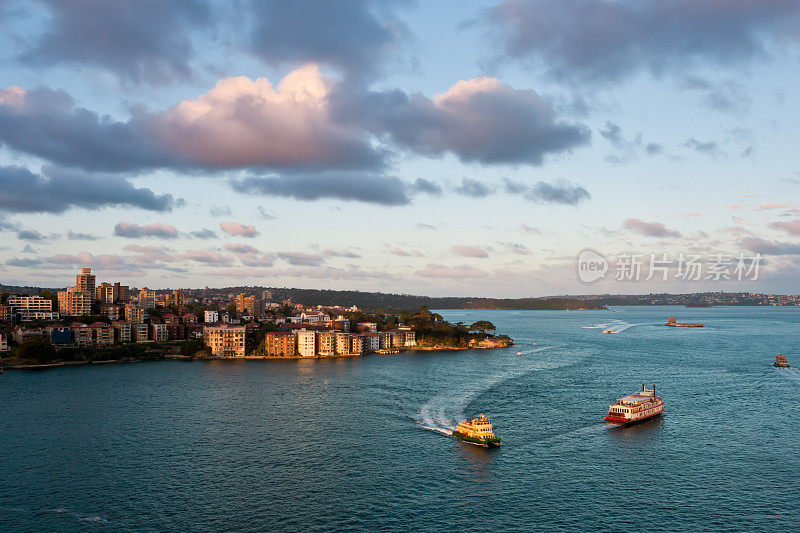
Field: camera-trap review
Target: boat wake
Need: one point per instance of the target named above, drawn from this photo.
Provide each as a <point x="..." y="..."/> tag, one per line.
<point x="617" y="326"/>
<point x="442" y="412"/>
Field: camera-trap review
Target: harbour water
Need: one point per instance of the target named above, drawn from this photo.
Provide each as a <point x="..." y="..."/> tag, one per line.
<point x="361" y="444"/>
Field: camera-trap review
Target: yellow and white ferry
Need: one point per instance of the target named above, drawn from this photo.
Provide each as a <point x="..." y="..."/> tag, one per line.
<point x="477" y="431"/>
<point x="637" y="407"/>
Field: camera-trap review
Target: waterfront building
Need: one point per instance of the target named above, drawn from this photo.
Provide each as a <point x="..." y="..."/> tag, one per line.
<point x="102" y="334"/>
<point x="59" y="335"/>
<point x="372" y="342"/>
<point x="139" y="332"/>
<point x="356" y="344"/>
<point x="342" y="343"/>
<point x="280" y="343"/>
<point x="211" y="317"/>
<point x="385" y="340"/>
<point x="74" y="301"/>
<point x="122" y="331"/>
<point x="3" y="343"/>
<point x="85" y="282"/>
<point x="159" y="333"/>
<point x="306" y="343"/>
<point x="81" y="334"/>
<point x="134" y="314"/>
<point x="326" y="343"/>
<point x="225" y="340"/>
<point x="20" y="334"/>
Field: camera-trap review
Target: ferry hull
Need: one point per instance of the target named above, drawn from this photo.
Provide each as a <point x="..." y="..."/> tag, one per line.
<point x="486" y="443"/>
<point x="625" y="423"/>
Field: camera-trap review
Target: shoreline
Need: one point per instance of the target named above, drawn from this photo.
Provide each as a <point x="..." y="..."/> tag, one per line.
<point x="186" y="358"/>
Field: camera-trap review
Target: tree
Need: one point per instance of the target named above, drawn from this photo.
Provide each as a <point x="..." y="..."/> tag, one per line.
<point x="50" y="295"/>
<point x="3" y="298"/>
<point x="482" y="326"/>
<point x="36" y="348"/>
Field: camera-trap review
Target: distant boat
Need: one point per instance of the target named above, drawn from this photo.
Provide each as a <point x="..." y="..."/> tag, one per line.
<point x="781" y="362"/>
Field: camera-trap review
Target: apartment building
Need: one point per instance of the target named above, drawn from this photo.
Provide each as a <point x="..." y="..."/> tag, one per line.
<point x="342" y="343"/>
<point x="326" y="343"/>
<point x="159" y="333"/>
<point x="82" y="334"/>
<point x="372" y="342"/>
<point x="30" y="303"/>
<point x="356" y="344"/>
<point x="280" y="343"/>
<point x="85" y="282"/>
<point x="134" y="314"/>
<point x="3" y="343"/>
<point x="6" y="314"/>
<point x="112" y="311"/>
<point x="314" y="316"/>
<point x="189" y="318"/>
<point x="249" y="305"/>
<point x="74" y="301"/>
<point x="147" y="298"/>
<point x="102" y="334"/>
<point x="174" y="299"/>
<point x="225" y="340"/>
<point x="139" y="332"/>
<point x="122" y="331"/>
<point x="306" y="343"/>
<point x="211" y="317"/>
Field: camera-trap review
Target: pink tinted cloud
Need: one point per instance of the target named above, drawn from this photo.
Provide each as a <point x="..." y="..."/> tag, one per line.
<point x="238" y="229"/>
<point x="650" y="229"/>
<point x="792" y="227"/>
<point x="470" y="251"/>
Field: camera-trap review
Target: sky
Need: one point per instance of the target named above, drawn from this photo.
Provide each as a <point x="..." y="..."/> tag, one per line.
<point x="438" y="148"/>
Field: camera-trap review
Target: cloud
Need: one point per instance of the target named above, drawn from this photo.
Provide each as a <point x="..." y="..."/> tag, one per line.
<point x="469" y="251"/>
<point x="249" y="255"/>
<point x="650" y="229"/>
<point x="267" y="214"/>
<point x="612" y="40"/>
<point x="23" y="262"/>
<point x="218" y="211"/>
<point x="473" y="188"/>
<point x="159" y="230"/>
<point x="792" y="227"/>
<point x="58" y="189"/>
<point x="727" y="96"/>
<point x="514" y="187"/>
<point x="422" y="185"/>
<point x="438" y="271"/>
<point x="30" y="235"/>
<point x="762" y="246"/>
<point x="28" y="249"/>
<point x="400" y="252"/>
<point x="76" y="236"/>
<point x="238" y="229"/>
<point x="710" y="147"/>
<point x="329" y="252"/>
<point x="561" y="192"/>
<point x="208" y="257"/>
<point x="420" y="225"/>
<point x="478" y="120"/>
<point x="302" y="258"/>
<point x="353" y="35"/>
<point x="530" y="229"/>
<point x="204" y="233"/>
<point x="143" y="41"/>
<point x="516" y="248"/>
<point x="369" y="188"/>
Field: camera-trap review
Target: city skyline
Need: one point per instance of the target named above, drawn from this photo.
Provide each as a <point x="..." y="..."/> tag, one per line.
<point x="439" y="149"/>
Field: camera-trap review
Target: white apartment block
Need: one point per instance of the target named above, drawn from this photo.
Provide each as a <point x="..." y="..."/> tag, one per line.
<point x="211" y="317"/>
<point x="306" y="343"/>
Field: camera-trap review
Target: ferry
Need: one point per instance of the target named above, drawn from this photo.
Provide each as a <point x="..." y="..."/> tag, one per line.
<point x="638" y="407"/>
<point x="780" y="361"/>
<point x="477" y="431"/>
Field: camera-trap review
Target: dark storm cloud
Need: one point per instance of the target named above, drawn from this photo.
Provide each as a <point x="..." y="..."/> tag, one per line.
<point x="473" y="188"/>
<point x="479" y="120"/>
<point x="610" y="40"/>
<point x="58" y="189"/>
<point x="560" y="192"/>
<point x="369" y="188"/>
<point x="145" y="40"/>
<point x="351" y="35"/>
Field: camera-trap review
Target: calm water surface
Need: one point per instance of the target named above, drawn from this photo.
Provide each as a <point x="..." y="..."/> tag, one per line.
<point x="360" y="444"/>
